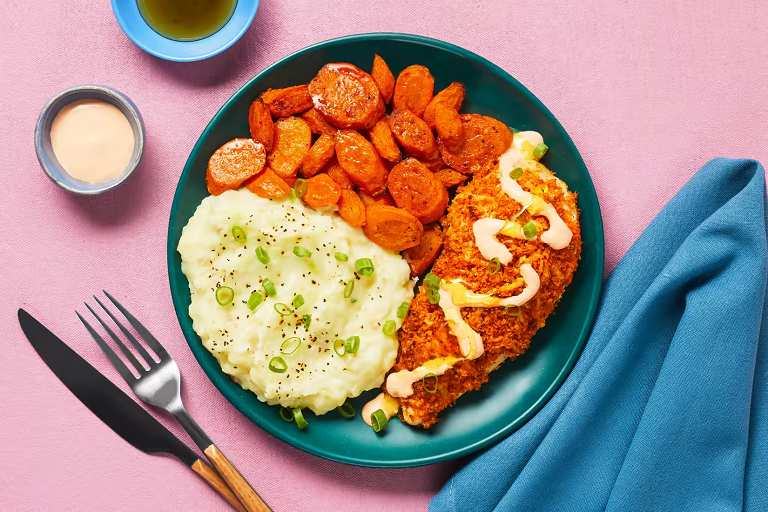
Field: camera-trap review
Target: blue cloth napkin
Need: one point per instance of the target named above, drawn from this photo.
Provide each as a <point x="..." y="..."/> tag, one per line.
<point x="667" y="408"/>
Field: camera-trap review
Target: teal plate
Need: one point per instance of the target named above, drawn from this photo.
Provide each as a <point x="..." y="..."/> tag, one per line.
<point x="519" y="388"/>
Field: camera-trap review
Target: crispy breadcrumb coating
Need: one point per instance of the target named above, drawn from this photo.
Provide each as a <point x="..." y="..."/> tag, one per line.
<point x="425" y="334"/>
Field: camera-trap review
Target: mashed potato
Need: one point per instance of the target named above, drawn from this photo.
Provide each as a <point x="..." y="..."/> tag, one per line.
<point x="244" y="341"/>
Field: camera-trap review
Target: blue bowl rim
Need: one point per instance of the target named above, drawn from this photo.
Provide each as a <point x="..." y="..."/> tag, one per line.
<point x="583" y="335"/>
<point x="128" y="31"/>
<point x="60" y="100"/>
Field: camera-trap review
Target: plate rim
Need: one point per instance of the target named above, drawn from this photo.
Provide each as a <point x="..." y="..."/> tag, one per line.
<point x="522" y="419"/>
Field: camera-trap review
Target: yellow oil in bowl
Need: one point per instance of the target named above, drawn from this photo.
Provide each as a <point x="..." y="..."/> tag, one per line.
<point x="186" y="20"/>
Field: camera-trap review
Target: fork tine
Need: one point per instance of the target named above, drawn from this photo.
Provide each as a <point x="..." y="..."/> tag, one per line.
<point x="116" y="362"/>
<point x="120" y="345"/>
<point x="143" y="332"/>
<point x="150" y="361"/>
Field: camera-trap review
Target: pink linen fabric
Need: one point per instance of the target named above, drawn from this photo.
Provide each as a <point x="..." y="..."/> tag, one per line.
<point x="649" y="91"/>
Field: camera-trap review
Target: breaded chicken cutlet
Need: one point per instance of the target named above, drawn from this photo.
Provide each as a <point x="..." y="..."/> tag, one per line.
<point x="428" y="341"/>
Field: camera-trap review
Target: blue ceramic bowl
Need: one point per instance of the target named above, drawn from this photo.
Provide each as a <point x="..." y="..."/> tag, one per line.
<point x="47" y="158"/>
<point x="134" y="26"/>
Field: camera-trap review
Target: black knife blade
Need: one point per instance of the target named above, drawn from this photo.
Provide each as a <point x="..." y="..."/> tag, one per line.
<point x="111" y="405"/>
<point x="116" y="409"/>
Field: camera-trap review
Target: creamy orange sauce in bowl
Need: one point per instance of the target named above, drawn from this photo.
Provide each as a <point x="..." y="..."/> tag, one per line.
<point x="89" y="139"/>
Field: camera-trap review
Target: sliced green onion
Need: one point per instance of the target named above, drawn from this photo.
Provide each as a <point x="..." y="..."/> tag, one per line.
<point x="224" y="295"/>
<point x="402" y="310"/>
<point x="349" y="288"/>
<point x="286" y="414"/>
<point x="424" y="382"/>
<point x="389" y="327"/>
<point x="433" y="296"/>
<point x="306" y="320"/>
<point x="341" y="256"/>
<point x="364" y="266"/>
<point x="298" y="301"/>
<point x="300" y="421"/>
<point x="514" y="130"/>
<point x="516" y="173"/>
<point x="290" y="345"/>
<point x="529" y="230"/>
<point x="269" y="288"/>
<point x="300" y="187"/>
<point x="540" y="151"/>
<point x="239" y="234"/>
<point x="346" y="410"/>
<point x="352" y="344"/>
<point x="338" y="347"/>
<point x="508" y="310"/>
<point x="494" y="265"/>
<point x="262" y="255"/>
<point x="301" y="252"/>
<point x="353" y="300"/>
<point x="431" y="281"/>
<point x="282" y="309"/>
<point x="278" y="365"/>
<point x="254" y="300"/>
<point x="378" y="420"/>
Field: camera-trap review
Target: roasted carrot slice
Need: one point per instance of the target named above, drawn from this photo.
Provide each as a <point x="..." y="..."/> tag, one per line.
<point x="420" y="257"/>
<point x="486" y="139"/>
<point x="322" y="191"/>
<point x="292" y="140"/>
<point x="433" y="162"/>
<point x="383" y="199"/>
<point x="416" y="190"/>
<point x="318" y="155"/>
<point x="392" y="228"/>
<point x="268" y="185"/>
<point x="413" y="89"/>
<point x="449" y="177"/>
<point x="452" y="96"/>
<point x="260" y="123"/>
<point x="383" y="77"/>
<point x="337" y="174"/>
<point x="233" y="163"/>
<point x="288" y="101"/>
<point x="361" y="162"/>
<point x="384" y="142"/>
<point x="449" y="127"/>
<point x="412" y="133"/>
<point x="346" y="96"/>
<point x="351" y="208"/>
<point x="317" y="123"/>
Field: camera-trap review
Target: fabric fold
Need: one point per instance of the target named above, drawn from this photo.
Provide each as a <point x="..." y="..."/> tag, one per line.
<point x="666" y="408"/>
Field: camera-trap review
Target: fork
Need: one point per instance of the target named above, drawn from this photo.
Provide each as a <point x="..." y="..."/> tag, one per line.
<point x="160" y="386"/>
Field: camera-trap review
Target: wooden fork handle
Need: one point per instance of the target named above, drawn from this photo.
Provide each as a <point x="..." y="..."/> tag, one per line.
<point x="242" y="489"/>
<point x="218" y="485"/>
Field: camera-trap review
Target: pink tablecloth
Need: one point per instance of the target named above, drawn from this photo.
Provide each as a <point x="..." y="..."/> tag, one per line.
<point x="649" y="91"/>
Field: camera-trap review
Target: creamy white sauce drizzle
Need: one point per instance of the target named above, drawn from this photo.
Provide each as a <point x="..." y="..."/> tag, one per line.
<point x="384" y="402"/>
<point x="461" y="297"/>
<point x="485" y="238"/>
<point x="470" y="342"/>
<point x="558" y="236"/>
<point x="400" y="384"/>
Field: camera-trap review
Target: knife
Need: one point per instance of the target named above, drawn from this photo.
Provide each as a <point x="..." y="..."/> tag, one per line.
<point x="116" y="409"/>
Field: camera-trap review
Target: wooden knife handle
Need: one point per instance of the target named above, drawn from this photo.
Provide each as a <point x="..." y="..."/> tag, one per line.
<point x="243" y="490"/>
<point x="218" y="485"/>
